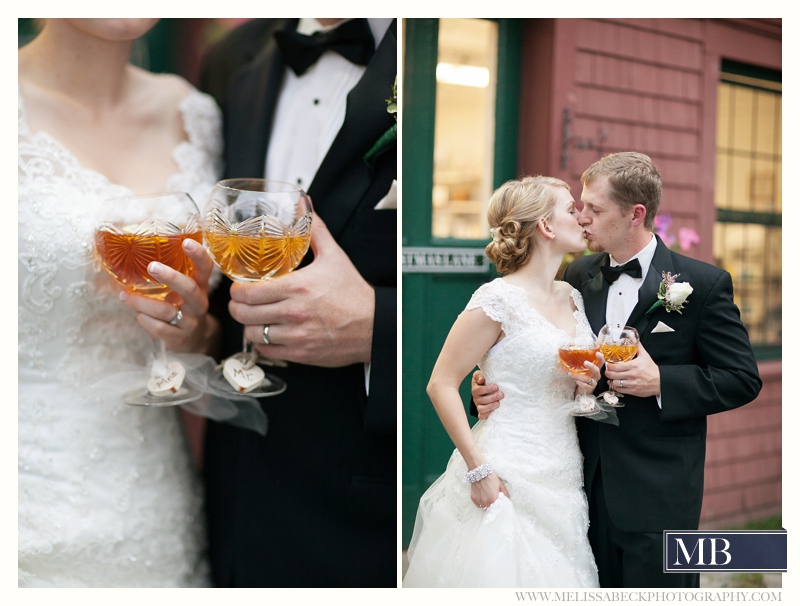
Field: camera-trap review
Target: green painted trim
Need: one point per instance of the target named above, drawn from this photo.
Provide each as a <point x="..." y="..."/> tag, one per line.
<point x="750" y="71"/>
<point x="768" y="352"/>
<point x="726" y="215"/>
<point x="509" y="64"/>
<point x="419" y="119"/>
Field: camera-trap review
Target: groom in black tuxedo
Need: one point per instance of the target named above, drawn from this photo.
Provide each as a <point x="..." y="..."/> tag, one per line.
<point x="646" y="475"/>
<point x="313" y="503"/>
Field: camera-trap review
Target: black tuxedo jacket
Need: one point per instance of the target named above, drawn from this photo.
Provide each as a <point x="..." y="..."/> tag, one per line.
<point x="652" y="463"/>
<point x="313" y="503"/>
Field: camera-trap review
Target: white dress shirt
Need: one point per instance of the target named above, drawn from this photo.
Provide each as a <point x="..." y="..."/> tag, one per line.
<point x="310" y="112"/>
<point x="311" y="109"/>
<point x="623" y="295"/>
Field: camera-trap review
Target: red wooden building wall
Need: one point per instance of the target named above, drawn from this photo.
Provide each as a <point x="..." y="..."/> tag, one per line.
<point x="595" y="86"/>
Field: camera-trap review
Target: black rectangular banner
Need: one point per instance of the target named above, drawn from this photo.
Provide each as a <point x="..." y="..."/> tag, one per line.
<point x="725" y="550"/>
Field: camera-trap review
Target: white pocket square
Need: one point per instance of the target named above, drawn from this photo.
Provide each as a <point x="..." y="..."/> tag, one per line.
<point x="661" y="327"/>
<point x="389" y="201"/>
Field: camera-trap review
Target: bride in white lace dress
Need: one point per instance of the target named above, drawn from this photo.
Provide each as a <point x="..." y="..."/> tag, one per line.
<point x="525" y="523"/>
<point x="107" y="492"/>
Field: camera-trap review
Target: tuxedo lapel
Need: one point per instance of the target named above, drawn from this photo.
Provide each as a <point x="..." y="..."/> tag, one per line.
<point x="595" y="293"/>
<point x="253" y="96"/>
<point x="648" y="291"/>
<point x="337" y="187"/>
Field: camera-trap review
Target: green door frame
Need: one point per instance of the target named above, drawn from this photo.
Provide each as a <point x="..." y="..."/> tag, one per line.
<point x="431" y="301"/>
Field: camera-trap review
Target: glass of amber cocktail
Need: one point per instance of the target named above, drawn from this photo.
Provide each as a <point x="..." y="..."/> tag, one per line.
<point x="572" y="354"/>
<point x="618" y="345"/>
<point x="136" y="231"/>
<point x="255" y="230"/>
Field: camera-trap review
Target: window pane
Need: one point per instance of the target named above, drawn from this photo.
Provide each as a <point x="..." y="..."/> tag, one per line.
<point x="773" y="289"/>
<point x="742" y="113"/>
<point x="762" y="186"/>
<point x="740" y="183"/>
<point x="748" y="178"/>
<point x="464" y="131"/>
<point x="723" y="116"/>
<point x="721" y="180"/>
<point x="765" y="123"/>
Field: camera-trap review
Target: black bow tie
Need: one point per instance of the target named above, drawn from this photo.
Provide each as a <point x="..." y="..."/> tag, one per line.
<point x="612" y="274"/>
<point x="352" y="40"/>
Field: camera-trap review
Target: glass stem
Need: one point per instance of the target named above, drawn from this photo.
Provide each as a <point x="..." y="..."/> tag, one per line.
<point x="159" y="368"/>
<point x="245" y="348"/>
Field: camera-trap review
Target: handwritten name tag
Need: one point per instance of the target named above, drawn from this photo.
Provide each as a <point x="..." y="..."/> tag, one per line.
<point x="168" y="384"/>
<point x="242" y="379"/>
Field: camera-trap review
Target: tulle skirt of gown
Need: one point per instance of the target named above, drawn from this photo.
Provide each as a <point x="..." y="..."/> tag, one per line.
<point x="537" y="538"/>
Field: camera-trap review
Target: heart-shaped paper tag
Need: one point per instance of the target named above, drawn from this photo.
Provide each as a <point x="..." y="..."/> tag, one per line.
<point x="242" y="379"/>
<point x="168" y="384"/>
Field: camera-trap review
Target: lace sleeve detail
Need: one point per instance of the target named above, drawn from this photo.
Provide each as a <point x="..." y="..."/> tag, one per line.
<point x="583" y="325"/>
<point x="577" y="298"/>
<point x="491" y="300"/>
<point x="199" y="158"/>
<point x="203" y="124"/>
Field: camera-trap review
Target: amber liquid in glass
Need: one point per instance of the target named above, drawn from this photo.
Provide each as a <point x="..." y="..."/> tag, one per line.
<point x="126" y="257"/>
<point x="256" y="258"/>
<point x="572" y="358"/>
<point x="619" y="353"/>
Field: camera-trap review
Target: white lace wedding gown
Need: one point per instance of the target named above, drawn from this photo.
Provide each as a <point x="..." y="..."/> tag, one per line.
<point x="538" y="537"/>
<point x="107" y="493"/>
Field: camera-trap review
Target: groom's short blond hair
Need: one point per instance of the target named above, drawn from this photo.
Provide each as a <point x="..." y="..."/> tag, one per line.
<point x="632" y="179"/>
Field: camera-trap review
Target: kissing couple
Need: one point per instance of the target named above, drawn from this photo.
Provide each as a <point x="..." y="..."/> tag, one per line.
<point x="535" y="497"/>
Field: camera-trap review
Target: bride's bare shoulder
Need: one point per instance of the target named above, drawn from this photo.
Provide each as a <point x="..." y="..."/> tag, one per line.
<point x="158" y="98"/>
<point x="165" y="89"/>
<point x="565" y="293"/>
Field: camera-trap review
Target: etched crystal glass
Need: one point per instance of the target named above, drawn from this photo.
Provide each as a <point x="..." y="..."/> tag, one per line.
<point x="255" y="230"/>
<point x="137" y="230"/>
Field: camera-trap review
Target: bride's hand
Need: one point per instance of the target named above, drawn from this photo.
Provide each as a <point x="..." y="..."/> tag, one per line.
<point x="485" y="492"/>
<point x="196" y="330"/>
<point x="587" y="383"/>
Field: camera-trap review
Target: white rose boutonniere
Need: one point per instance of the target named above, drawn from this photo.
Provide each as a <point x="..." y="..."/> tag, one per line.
<point x="671" y="295"/>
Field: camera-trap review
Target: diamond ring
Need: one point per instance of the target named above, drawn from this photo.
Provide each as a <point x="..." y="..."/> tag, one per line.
<point x="178" y="317"/>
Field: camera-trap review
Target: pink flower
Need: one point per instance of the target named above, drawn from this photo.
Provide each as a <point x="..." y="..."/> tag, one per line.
<point x="687" y="237"/>
<point x="661" y="224"/>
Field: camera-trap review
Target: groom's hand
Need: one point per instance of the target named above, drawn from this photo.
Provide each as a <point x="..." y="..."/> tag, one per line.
<point x="321" y="315"/>
<point x="486" y="397"/>
<point x="639" y="377"/>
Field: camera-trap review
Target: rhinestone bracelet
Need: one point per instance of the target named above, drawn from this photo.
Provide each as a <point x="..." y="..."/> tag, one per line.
<point x="477" y="474"/>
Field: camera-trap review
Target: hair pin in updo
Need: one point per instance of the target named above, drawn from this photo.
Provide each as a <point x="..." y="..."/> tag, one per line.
<point x="493" y="233"/>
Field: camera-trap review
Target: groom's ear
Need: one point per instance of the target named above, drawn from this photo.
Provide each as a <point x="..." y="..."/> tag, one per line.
<point x="639" y="215"/>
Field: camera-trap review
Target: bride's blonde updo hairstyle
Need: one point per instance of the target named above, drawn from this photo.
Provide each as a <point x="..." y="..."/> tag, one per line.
<point x="515" y="209"/>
